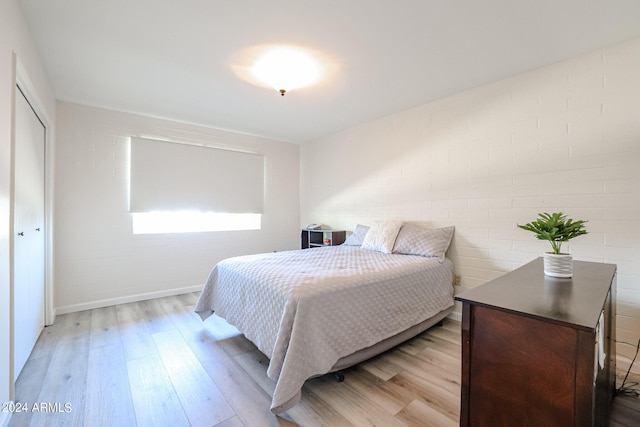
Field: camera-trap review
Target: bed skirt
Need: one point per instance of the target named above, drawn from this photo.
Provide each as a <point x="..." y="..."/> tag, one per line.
<point x="384" y="345"/>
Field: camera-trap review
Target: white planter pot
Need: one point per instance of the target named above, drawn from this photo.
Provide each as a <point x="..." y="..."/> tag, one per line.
<point x="560" y="265"/>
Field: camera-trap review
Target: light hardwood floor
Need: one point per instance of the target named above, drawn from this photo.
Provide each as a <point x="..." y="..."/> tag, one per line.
<point x="155" y="363"/>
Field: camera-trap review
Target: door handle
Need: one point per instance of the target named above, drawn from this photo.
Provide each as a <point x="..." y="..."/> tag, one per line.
<point x="21" y="233"/>
<point x="38" y="229"/>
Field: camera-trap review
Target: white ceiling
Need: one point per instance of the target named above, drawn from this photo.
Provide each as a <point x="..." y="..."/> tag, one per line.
<point x="172" y="58"/>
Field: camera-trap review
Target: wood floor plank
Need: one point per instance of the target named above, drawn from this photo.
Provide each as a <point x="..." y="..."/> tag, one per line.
<point x="154" y="316"/>
<point x="248" y="400"/>
<point x="313" y="411"/>
<point x="413" y="346"/>
<point x="181" y="316"/>
<point x="382" y="367"/>
<point x="441" y="359"/>
<point x="108" y="392"/>
<point x="203" y="403"/>
<point x="355" y="408"/>
<point x="104" y="327"/>
<point x="231" y="422"/>
<point x="28" y="387"/>
<point x="134" y="334"/>
<point x="418" y="413"/>
<point x="380" y="393"/>
<point x="442" y="345"/>
<point x="46" y="343"/>
<point x="428" y="372"/>
<point x="190" y="299"/>
<point x="445" y="347"/>
<point x="446" y="333"/>
<point x="64" y="386"/>
<point x="255" y="364"/>
<point x="167" y="365"/>
<point x="155" y="402"/>
<point x="445" y="402"/>
<point x="237" y="344"/>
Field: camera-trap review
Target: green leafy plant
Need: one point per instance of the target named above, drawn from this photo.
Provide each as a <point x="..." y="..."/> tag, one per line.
<point x="556" y="228"/>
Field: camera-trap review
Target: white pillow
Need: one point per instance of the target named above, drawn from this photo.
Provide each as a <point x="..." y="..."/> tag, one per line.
<point x="357" y="237"/>
<point x="414" y="240"/>
<point x="382" y="235"/>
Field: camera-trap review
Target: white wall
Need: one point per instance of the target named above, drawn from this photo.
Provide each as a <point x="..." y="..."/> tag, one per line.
<point x="99" y="261"/>
<point x="561" y="138"/>
<point x="14" y="38"/>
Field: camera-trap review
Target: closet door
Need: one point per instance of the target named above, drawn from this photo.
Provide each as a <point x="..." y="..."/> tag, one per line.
<point x="29" y="246"/>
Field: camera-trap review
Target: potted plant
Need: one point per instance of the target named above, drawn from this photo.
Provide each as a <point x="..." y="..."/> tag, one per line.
<point x="556" y="228"/>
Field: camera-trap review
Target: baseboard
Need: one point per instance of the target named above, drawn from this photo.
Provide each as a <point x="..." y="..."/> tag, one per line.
<point x="124" y="300"/>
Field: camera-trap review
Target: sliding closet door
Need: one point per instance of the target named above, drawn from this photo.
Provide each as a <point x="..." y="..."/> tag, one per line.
<point x="29" y="245"/>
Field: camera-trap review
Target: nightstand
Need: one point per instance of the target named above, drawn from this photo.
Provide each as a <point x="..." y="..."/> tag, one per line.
<point x="317" y="238"/>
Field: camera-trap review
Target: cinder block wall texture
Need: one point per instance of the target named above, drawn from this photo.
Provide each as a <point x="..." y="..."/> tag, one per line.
<point x="561" y="138"/>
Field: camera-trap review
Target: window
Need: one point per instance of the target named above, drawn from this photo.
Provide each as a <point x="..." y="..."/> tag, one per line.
<point x="178" y="187"/>
<point x="188" y="222"/>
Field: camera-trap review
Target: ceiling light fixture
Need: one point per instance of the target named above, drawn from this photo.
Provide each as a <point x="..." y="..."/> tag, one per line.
<point x="286" y="68"/>
<point x="283" y="68"/>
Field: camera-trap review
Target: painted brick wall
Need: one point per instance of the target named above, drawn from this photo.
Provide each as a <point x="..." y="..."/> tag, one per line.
<point x="98" y="259"/>
<point x="562" y="138"/>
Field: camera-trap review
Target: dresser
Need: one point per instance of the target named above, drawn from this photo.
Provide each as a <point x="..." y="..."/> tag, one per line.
<point x="538" y="350"/>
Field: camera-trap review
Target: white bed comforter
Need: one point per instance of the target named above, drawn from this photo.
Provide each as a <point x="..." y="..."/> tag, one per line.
<point x="306" y="309"/>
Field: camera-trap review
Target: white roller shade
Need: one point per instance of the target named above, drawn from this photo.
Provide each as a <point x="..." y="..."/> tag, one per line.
<point x="169" y="176"/>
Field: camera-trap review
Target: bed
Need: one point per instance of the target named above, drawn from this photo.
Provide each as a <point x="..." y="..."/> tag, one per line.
<point x="319" y="310"/>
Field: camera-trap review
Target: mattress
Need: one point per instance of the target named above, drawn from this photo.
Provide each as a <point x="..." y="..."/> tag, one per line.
<point x="307" y="309"/>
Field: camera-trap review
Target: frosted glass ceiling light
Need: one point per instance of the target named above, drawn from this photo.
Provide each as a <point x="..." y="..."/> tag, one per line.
<point x="283" y="68"/>
<point x="286" y="68"/>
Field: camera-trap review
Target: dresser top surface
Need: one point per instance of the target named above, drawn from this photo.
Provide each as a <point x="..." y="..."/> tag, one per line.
<point x="577" y="301"/>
